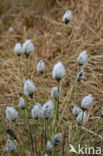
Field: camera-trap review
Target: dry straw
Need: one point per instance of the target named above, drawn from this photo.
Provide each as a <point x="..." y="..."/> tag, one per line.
<point x="83" y="32"/>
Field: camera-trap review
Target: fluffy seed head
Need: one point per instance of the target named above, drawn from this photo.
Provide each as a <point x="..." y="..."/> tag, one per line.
<point x="21" y="103"/>
<point x="40" y="67"/>
<point x="11" y="113"/>
<point x="10" y="146"/>
<point x="87" y="102"/>
<point x="82" y="58"/>
<point x="58" y="71"/>
<point x="67" y="16"/>
<point x="48" y="109"/>
<point x="36" y="111"/>
<point x="82" y="118"/>
<point x="10" y="29"/>
<point x="80" y="75"/>
<point x="29" y="88"/>
<point x="54" y="92"/>
<point x="18" y="49"/>
<point x="45" y="154"/>
<point x="28" y="47"/>
<point x="49" y="146"/>
<point x="57" y="139"/>
<point x="76" y="110"/>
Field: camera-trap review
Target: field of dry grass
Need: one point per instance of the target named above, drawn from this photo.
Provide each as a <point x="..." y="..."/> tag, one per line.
<point x="42" y="22"/>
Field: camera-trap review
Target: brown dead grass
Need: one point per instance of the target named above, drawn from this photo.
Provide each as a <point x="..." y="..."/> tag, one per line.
<point x="42" y="23"/>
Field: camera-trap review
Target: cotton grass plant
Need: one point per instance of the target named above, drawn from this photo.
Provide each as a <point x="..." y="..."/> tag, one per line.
<point x="42" y="121"/>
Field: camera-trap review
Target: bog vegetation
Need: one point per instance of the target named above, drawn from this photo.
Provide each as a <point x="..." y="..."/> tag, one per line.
<point x="51" y="94"/>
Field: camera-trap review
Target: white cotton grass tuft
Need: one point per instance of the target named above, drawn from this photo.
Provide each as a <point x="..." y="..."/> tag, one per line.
<point x="58" y="71"/>
<point x="82" y="118"/>
<point x="76" y="110"/>
<point x="57" y="139"/>
<point x="29" y="88"/>
<point x="28" y="47"/>
<point x="18" y="49"/>
<point x="82" y="58"/>
<point x="10" y="146"/>
<point x="87" y="102"/>
<point x="11" y="113"/>
<point x="54" y="92"/>
<point x="49" y="146"/>
<point x="67" y="16"/>
<point x="36" y="111"/>
<point x="40" y="67"/>
<point x="81" y="75"/>
<point x="21" y="103"/>
<point x="10" y="29"/>
<point x="45" y="154"/>
<point x="48" y="109"/>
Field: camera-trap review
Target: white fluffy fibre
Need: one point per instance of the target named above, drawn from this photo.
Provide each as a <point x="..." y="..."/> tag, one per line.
<point x="10" y="29"/>
<point x="58" y="71"/>
<point x="21" y="103"/>
<point x="11" y="113"/>
<point x="82" y="58"/>
<point x="28" y="47"/>
<point x="10" y="146"/>
<point x="48" y="109"/>
<point x="36" y="111"/>
<point x="82" y="118"/>
<point x="80" y="75"/>
<point x="29" y="88"/>
<point x="87" y="101"/>
<point x="49" y="146"/>
<point x="18" y="49"/>
<point x="57" y="139"/>
<point x="41" y="67"/>
<point x="54" y="92"/>
<point x="76" y="110"/>
<point x="67" y="16"/>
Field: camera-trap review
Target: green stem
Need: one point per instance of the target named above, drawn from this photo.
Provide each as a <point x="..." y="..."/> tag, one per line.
<point x="27" y="67"/>
<point x="28" y="124"/>
<point x="96" y="129"/>
<point x="20" y="70"/>
<point x="45" y="131"/>
<point x="43" y="86"/>
<point x="57" y="108"/>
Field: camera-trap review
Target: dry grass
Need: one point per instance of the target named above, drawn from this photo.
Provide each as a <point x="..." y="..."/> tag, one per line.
<point x="42" y="23"/>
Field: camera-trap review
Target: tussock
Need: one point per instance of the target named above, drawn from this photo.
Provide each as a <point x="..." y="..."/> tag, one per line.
<point x="43" y="24"/>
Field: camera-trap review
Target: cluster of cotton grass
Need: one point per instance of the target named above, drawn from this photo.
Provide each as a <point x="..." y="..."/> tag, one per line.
<point x="46" y="136"/>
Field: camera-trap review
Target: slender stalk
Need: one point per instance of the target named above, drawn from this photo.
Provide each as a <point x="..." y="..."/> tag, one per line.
<point x="43" y="86"/>
<point x="96" y="129"/>
<point x="63" y="41"/>
<point x="28" y="124"/>
<point x="81" y="124"/>
<point x="27" y="67"/>
<point x="57" y="113"/>
<point x="80" y="131"/>
<point x="20" y="70"/>
<point x="14" y="154"/>
<point x="72" y="131"/>
<point x="45" y="131"/>
<point x="57" y="108"/>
